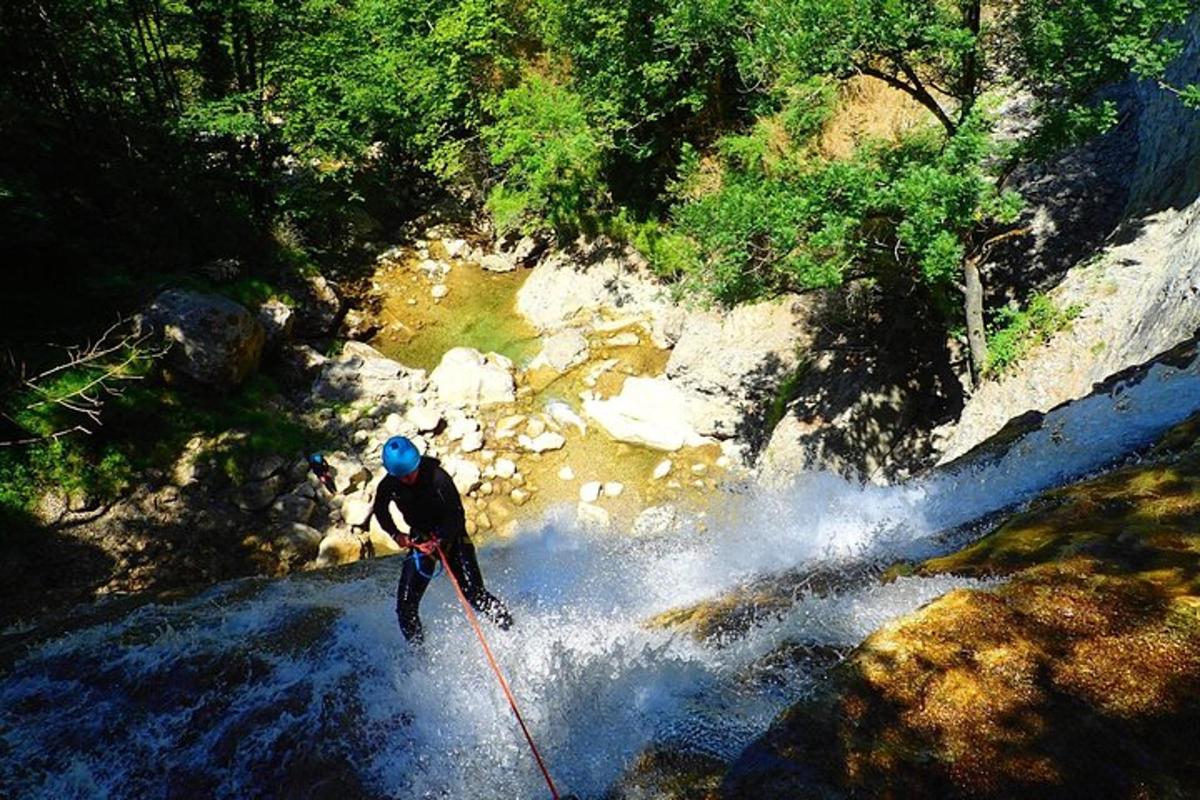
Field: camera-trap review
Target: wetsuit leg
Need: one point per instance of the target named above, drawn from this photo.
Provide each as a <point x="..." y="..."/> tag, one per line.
<point x="408" y="595"/>
<point x="466" y="569"/>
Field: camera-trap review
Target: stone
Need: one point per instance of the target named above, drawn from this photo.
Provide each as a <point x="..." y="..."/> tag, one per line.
<point x="736" y="360"/>
<point x="656" y="519"/>
<point x="627" y="339"/>
<point x="394" y="424"/>
<point x="465" y="473"/>
<point x="459" y="427"/>
<point x="297" y="542"/>
<point x="497" y="262"/>
<point x="455" y="248"/>
<point x="266" y="466"/>
<point x="361" y="374"/>
<point x="699" y="469"/>
<point x="566" y="473"/>
<point x="439" y="291"/>
<point x="209" y="338"/>
<point x="465" y="377"/>
<point x="259" y="495"/>
<point x="504" y="468"/>
<point x="483" y="521"/>
<point x="347" y="472"/>
<point x="662" y="469"/>
<point x="567" y="285"/>
<point x="592" y="516"/>
<point x="562" y="350"/>
<point x="544" y="443"/>
<point x="649" y="412"/>
<point x="277" y="320"/>
<point x="339" y="547"/>
<point x="356" y="510"/>
<point x="424" y="418"/>
<point x="535" y="427"/>
<point x="519" y="496"/>
<point x="613" y="489"/>
<point x="471" y="442"/>
<point x="590" y="491"/>
<point x="293" y="508"/>
<point x="527" y="250"/>
<point x="319" y="306"/>
<point x="564" y="415"/>
<point x="358" y="325"/>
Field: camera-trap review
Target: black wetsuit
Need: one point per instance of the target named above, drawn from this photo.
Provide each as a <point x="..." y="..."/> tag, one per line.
<point x="432" y="507"/>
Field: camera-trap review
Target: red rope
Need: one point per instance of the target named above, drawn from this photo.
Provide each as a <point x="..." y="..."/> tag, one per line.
<point x="487" y="651"/>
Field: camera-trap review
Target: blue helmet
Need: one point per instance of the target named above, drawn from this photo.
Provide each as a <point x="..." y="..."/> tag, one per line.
<point x="400" y="456"/>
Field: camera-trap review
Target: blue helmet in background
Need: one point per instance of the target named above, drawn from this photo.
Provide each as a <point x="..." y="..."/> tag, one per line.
<point x="400" y="456"/>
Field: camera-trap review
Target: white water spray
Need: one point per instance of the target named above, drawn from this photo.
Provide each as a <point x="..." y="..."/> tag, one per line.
<point x="277" y="689"/>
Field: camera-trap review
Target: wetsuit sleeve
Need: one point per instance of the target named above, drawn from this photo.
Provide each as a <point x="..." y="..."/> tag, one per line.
<point x="383" y="498"/>
<point x="451" y="518"/>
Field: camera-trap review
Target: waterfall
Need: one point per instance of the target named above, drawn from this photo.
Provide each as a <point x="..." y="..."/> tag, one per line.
<point x="303" y="687"/>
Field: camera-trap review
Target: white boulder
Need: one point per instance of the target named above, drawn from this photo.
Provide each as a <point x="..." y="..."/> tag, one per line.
<point x="465" y="377"/>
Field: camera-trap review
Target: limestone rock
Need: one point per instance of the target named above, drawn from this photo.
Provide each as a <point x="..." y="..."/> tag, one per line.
<point x="348" y="473"/>
<point x="266" y="466"/>
<point x="497" y="262"/>
<point x="277" y="320"/>
<point x="564" y="415"/>
<point x="566" y="473"/>
<point x="592" y="516"/>
<point x="211" y="339"/>
<point x="590" y="491"/>
<point x="541" y="444"/>
<point x="504" y="468"/>
<point x="259" y="495"/>
<point x="439" y="291"/>
<point x="293" y="508"/>
<point x="472" y="442"/>
<point x="465" y="377"/>
<point x="562" y="350"/>
<point x="424" y="418"/>
<point x="662" y="469"/>
<point x="613" y="488"/>
<point x="466" y="474"/>
<point x="363" y="374"/>
<point x="656" y="519"/>
<point x="649" y="412"/>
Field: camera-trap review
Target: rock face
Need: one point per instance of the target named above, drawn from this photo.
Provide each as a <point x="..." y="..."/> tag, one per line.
<point x="738" y="359"/>
<point x="574" y="285"/>
<point x="466" y="377"/>
<point x="1140" y="296"/>
<point x="212" y="339"/>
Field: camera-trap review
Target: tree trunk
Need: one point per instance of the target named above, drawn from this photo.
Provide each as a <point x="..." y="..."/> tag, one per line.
<point x="974" y="309"/>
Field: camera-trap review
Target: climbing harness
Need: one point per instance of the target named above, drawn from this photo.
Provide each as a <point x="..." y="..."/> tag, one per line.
<point x="437" y="566"/>
<point x="487" y="651"/>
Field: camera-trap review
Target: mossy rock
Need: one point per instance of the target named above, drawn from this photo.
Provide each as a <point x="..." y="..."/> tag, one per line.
<point x="1078" y="677"/>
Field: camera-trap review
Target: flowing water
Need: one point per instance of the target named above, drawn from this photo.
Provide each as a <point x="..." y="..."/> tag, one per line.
<point x="303" y="687"/>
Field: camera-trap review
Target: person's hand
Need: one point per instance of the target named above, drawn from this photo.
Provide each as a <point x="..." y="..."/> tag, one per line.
<point x="427" y="547"/>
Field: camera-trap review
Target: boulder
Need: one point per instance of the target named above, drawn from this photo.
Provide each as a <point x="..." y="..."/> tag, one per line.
<point x="562" y="350"/>
<point x="466" y="377"/>
<point x="277" y="320"/>
<point x="590" y="492"/>
<point x="648" y="411"/>
<point x="656" y="519"/>
<point x="348" y="472"/>
<point x="362" y="373"/>
<point x="466" y="474"/>
<point x="592" y="516"/>
<point x="540" y="444"/>
<point x="259" y="495"/>
<point x="497" y="262"/>
<point x="211" y="339"/>
<point x="319" y="306"/>
<point x="293" y="508"/>
<point x="425" y="418"/>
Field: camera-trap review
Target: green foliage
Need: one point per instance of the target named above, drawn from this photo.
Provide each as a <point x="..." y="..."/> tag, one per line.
<point x="1017" y="331"/>
<point x="552" y="156"/>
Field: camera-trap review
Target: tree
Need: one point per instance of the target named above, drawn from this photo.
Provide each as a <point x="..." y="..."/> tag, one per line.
<point x="948" y="55"/>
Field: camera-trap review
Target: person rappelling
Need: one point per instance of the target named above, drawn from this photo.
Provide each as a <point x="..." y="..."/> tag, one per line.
<point x="426" y="495"/>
